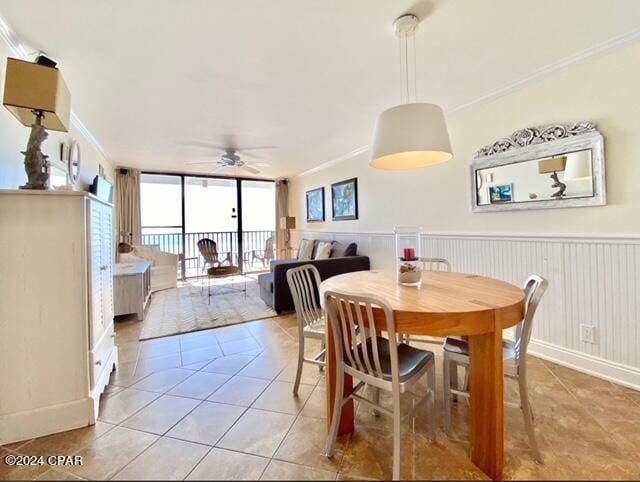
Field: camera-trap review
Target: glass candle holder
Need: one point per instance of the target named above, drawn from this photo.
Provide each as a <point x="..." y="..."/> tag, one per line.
<point x="408" y="265"/>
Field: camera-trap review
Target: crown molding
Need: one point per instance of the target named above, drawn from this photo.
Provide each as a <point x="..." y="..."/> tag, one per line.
<point x="19" y="50"/>
<point x="608" y="46"/>
<point x="332" y="162"/>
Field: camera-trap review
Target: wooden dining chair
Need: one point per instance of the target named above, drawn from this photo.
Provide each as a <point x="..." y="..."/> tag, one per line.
<point x="382" y="363"/>
<point x="456" y="352"/>
<point x="304" y="283"/>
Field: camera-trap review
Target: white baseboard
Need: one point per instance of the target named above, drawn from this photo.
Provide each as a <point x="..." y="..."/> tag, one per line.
<point x="44" y="421"/>
<point x="598" y="367"/>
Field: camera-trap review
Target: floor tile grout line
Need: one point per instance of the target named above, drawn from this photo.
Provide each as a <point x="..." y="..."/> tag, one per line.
<point x="569" y="388"/>
<point x="160" y="395"/>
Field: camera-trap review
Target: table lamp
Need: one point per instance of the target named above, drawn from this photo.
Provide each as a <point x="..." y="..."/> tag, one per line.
<point x="554" y="165"/>
<point x="36" y="94"/>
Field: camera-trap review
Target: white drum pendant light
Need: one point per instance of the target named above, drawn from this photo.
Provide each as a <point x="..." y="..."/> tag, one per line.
<point x="413" y="134"/>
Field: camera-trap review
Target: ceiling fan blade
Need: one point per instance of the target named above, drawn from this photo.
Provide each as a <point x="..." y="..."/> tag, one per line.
<point x="204" y="162"/>
<point x="258" y="164"/>
<point x="255" y="148"/>
<point x="221" y="168"/>
<point x="249" y="169"/>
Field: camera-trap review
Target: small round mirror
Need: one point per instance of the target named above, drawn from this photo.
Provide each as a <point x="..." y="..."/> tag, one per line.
<point x="74" y="163"/>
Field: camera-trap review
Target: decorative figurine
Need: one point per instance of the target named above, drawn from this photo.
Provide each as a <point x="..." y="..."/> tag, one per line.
<point x="562" y="187"/>
<point x="35" y="162"/>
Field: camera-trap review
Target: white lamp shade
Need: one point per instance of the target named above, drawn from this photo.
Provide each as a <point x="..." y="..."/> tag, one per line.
<point x="410" y="136"/>
<point x="578" y="167"/>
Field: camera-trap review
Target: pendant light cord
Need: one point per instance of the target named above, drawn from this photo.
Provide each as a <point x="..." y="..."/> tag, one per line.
<point x="408" y="93"/>
<point x="415" y="71"/>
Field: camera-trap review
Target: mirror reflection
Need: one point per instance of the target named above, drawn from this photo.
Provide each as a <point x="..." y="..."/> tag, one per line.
<point x="567" y="176"/>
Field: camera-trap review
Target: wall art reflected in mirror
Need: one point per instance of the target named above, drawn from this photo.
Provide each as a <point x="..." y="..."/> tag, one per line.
<point x="541" y="167"/>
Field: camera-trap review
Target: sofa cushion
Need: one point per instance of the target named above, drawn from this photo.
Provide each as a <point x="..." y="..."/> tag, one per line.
<point x="340" y="250"/>
<point x="323" y="250"/>
<point x="305" y="250"/>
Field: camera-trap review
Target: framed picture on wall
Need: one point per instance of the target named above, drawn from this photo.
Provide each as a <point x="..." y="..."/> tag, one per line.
<point x="344" y="200"/>
<point x="315" y="205"/>
<point x="501" y="194"/>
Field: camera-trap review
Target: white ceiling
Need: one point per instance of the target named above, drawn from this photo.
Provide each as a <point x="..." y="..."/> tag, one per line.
<point x="149" y="77"/>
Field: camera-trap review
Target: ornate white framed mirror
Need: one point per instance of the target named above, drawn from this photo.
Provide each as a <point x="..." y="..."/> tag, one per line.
<point x="75" y="162"/>
<point x="555" y="166"/>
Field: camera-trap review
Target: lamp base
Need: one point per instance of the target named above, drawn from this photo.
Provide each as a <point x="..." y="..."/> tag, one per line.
<point x="35" y="162"/>
<point x="562" y="187"/>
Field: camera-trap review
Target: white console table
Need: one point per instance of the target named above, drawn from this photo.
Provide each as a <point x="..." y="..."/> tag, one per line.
<point x="132" y="288"/>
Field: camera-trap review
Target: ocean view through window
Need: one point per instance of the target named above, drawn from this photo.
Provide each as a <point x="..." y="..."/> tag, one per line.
<point x="179" y="210"/>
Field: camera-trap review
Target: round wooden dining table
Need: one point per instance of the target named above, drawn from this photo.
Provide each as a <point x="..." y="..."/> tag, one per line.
<point x="446" y="304"/>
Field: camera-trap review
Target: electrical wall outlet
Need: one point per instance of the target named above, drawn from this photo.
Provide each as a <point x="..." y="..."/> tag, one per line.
<point x="588" y="333"/>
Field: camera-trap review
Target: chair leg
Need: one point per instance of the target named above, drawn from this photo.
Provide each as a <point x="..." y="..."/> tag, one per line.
<point x="453" y="378"/>
<point x="465" y="384"/>
<point x="323" y="346"/>
<point x="446" y="384"/>
<point x="527" y="413"/>
<point x="376" y="400"/>
<point x="337" y="412"/>
<point x="300" y="364"/>
<point x="396" y="434"/>
<point x="431" y="418"/>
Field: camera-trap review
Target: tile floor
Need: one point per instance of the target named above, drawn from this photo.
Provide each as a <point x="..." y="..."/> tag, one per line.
<point x="217" y="404"/>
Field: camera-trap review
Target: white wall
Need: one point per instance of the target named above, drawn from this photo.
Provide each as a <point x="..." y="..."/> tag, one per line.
<point x="13" y="139"/>
<point x="602" y="90"/>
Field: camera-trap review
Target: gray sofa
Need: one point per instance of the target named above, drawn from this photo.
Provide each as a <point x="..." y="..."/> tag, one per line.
<point x="274" y="289"/>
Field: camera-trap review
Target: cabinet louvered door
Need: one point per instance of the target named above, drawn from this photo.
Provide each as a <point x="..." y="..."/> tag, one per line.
<point x="106" y="258"/>
<point x="96" y="324"/>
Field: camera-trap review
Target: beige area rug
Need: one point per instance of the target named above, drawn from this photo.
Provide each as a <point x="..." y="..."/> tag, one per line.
<point x="186" y="308"/>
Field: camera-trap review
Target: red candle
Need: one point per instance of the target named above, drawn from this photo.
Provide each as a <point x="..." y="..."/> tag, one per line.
<point x="409" y="253"/>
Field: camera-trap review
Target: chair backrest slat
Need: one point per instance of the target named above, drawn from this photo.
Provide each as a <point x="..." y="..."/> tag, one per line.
<point x="534" y="288"/>
<point x="348" y="347"/>
<point x="372" y="328"/>
<point x="435" y="264"/>
<point x="352" y="321"/>
<point x="304" y="284"/>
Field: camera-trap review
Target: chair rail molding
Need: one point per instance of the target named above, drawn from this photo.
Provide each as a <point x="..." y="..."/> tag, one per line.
<point x="594" y="279"/>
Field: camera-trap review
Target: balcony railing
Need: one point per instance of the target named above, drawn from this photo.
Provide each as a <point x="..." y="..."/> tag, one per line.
<point x="226" y="241"/>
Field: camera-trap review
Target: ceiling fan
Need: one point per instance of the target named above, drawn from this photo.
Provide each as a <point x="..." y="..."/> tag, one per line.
<point x="230" y="158"/>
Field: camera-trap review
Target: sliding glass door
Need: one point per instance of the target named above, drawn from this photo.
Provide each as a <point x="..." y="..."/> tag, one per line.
<point x="161" y="212"/>
<point x="258" y="223"/>
<point x="238" y="214"/>
<point x="211" y="211"/>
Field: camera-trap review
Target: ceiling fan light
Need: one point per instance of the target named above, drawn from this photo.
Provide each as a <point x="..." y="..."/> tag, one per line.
<point x="410" y="136"/>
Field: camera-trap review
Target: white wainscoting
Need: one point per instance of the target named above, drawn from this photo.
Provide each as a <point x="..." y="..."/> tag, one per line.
<point x="593" y="280"/>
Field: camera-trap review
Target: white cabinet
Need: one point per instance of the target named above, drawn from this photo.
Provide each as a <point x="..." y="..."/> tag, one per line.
<point x="56" y="311"/>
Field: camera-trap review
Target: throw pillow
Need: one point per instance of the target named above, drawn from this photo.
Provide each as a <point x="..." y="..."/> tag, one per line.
<point x="323" y="250"/>
<point x="305" y="249"/>
<point x="340" y="250"/>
